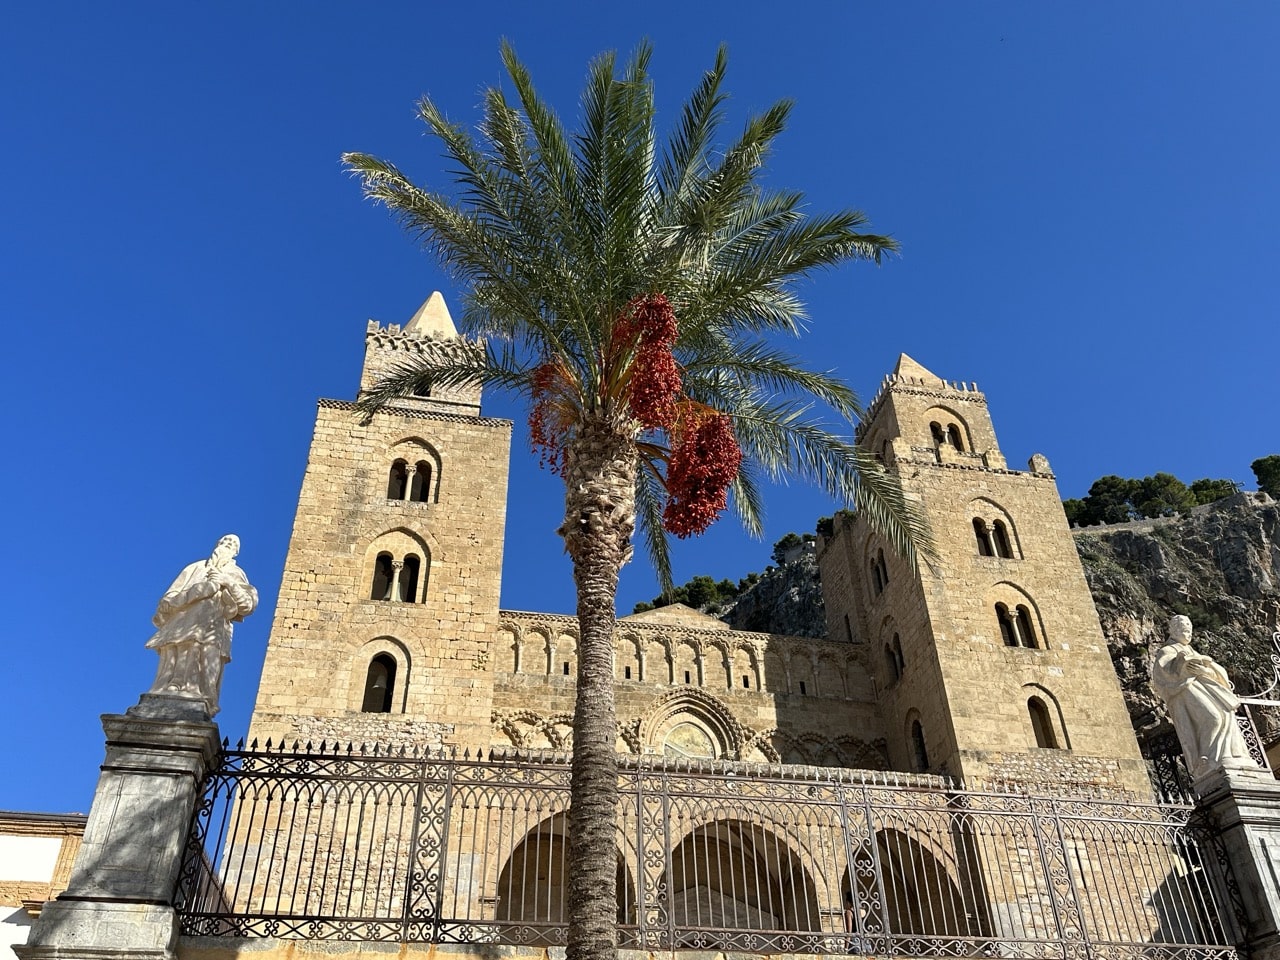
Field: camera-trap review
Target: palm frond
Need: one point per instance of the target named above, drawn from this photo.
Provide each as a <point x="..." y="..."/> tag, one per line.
<point x="552" y="232"/>
<point x="651" y="497"/>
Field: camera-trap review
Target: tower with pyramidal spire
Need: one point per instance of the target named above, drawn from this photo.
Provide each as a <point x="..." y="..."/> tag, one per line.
<point x="989" y="663"/>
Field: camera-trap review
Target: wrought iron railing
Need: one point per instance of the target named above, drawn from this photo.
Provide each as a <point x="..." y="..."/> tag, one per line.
<point x="342" y="845"/>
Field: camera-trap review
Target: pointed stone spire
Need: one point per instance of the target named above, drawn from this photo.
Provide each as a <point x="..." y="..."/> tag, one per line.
<point x="432" y="319"/>
<point x="911" y="370"/>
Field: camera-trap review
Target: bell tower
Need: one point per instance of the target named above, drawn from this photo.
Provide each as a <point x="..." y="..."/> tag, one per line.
<point x="990" y="664"/>
<point x="390" y="591"/>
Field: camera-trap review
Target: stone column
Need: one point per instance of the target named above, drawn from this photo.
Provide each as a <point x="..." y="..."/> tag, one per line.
<point x="119" y="902"/>
<point x="1243" y="806"/>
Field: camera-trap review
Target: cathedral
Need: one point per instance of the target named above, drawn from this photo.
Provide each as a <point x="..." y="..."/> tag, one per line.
<point x="949" y="772"/>
<point x="988" y="666"/>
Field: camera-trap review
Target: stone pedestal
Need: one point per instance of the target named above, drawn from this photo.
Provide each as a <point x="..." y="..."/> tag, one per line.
<point x="119" y="901"/>
<point x="1243" y="805"/>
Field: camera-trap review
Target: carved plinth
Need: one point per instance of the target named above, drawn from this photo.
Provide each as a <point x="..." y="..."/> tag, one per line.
<point x="1243" y="805"/>
<point x="118" y="902"/>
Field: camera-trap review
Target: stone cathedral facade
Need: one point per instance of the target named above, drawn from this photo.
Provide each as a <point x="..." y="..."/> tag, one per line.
<point x="989" y="665"/>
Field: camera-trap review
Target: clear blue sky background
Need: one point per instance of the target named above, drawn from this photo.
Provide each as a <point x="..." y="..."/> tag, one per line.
<point x="1086" y="196"/>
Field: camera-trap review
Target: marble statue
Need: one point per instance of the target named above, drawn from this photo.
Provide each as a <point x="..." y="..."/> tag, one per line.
<point x="193" y="621"/>
<point x="1201" y="704"/>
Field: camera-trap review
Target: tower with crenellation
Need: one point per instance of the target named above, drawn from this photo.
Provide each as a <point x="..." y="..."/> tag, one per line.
<point x="990" y="662"/>
<point x="389" y="599"/>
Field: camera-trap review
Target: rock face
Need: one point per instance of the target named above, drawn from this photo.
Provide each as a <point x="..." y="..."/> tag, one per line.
<point x="1219" y="565"/>
<point x="786" y="599"/>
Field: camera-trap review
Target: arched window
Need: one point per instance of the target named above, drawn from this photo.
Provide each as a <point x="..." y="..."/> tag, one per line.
<point x="420" y="482"/>
<point x="891" y="664"/>
<point x="983" y="536"/>
<point x="422" y="390"/>
<point x="879" y="572"/>
<point x="936" y="431"/>
<point x="898" y="658"/>
<point x="954" y="438"/>
<point x="1004" y="548"/>
<point x="1008" y="633"/>
<point x="409" y="579"/>
<point x="1041" y="724"/>
<point x="919" y="752"/>
<point x="398" y="481"/>
<point x="380" y="684"/>
<point x="398" y="580"/>
<point x="383" y="575"/>
<point x="1026" y="632"/>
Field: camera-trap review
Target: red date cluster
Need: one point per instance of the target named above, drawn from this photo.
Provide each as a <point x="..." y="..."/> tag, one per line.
<point x="705" y="455"/>
<point x="655" y="378"/>
<point x="704" y="461"/>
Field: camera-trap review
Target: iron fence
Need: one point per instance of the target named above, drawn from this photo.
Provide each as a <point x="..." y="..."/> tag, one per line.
<point x="344" y="845"/>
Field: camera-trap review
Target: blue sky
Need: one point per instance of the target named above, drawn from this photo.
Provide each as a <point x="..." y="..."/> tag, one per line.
<point x="1086" y="197"/>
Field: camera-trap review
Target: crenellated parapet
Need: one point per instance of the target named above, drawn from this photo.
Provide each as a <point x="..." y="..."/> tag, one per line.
<point x="429" y="336"/>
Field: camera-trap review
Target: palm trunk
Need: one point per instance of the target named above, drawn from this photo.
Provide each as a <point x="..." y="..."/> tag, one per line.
<point x="599" y="476"/>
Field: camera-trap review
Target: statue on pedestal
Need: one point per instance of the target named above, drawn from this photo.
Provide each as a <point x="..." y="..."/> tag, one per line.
<point x="193" y="621"/>
<point x="1201" y="704"/>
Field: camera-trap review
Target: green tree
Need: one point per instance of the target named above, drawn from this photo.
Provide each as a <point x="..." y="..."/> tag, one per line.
<point x="632" y="292"/>
<point x="1162" y="495"/>
<point x="1110" y="500"/>
<point x="1075" y="511"/>
<point x="1267" y="470"/>
<point x="1206" y="490"/>
<point x="788" y="542"/>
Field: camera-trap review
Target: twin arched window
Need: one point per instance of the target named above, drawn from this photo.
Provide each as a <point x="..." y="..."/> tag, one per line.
<point x="398" y="580"/>
<point x="1017" y="629"/>
<point x="993" y="541"/>
<point x="415" y="485"/>
<point x="380" y="684"/>
<point x="949" y="435"/>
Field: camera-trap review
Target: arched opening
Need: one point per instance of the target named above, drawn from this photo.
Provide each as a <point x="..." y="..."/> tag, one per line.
<point x="919" y="751"/>
<point x="1026" y="631"/>
<point x="383" y="574"/>
<point x="409" y="579"/>
<point x="533" y="887"/>
<point x="983" y="536"/>
<point x="1004" y="547"/>
<point x="916" y="893"/>
<point x="1008" y="633"/>
<point x="891" y="665"/>
<point x="879" y="572"/>
<point x="899" y="660"/>
<point x="420" y="483"/>
<point x="397" y="480"/>
<point x="731" y="875"/>
<point x="379" y="684"/>
<point x="1041" y="723"/>
<point x="422" y="389"/>
<point x="936" y="431"/>
<point x="954" y="438"/>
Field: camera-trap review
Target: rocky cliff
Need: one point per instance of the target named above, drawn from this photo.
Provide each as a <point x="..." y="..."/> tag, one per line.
<point x="786" y="599"/>
<point x="1219" y="564"/>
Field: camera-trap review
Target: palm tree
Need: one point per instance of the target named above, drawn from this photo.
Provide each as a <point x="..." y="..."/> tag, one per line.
<point x="631" y="292"/>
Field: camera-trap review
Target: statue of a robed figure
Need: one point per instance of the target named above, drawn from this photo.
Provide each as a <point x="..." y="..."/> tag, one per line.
<point x="193" y="621"/>
<point x="1201" y="703"/>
